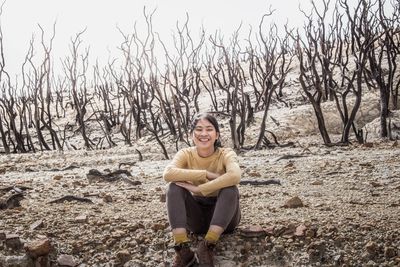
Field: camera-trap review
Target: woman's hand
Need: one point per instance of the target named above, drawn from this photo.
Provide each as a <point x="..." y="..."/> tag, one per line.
<point x="212" y="176"/>
<point x="191" y="187"/>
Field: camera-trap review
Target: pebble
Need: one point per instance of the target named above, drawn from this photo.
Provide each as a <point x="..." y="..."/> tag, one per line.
<point x="38" y="248"/>
<point x="13" y="241"/>
<point x="294" y="202"/>
<point x="64" y="260"/>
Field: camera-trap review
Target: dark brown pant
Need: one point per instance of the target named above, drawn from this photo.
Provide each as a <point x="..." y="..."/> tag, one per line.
<point x="197" y="213"/>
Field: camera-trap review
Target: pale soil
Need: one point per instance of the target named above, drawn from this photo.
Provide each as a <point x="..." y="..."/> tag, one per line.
<point x="351" y="197"/>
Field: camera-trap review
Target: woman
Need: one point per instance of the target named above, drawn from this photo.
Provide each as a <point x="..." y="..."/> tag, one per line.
<point x="202" y="196"/>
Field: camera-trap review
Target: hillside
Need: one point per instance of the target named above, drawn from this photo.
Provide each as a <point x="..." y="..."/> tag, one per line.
<point x="348" y="215"/>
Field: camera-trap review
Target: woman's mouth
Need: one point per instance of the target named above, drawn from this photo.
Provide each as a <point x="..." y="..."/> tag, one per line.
<point x="203" y="139"/>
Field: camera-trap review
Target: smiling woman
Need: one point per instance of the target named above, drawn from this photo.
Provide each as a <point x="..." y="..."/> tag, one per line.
<point x="205" y="132"/>
<point x="202" y="196"/>
<point x="102" y="19"/>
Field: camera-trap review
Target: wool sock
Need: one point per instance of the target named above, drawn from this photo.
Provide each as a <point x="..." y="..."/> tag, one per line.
<point x="212" y="237"/>
<point x="180" y="238"/>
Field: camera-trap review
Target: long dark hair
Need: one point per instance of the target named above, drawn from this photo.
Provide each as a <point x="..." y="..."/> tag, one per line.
<point x="212" y="120"/>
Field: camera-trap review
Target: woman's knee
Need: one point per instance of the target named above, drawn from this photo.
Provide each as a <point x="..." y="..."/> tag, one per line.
<point x="230" y="192"/>
<point x="173" y="189"/>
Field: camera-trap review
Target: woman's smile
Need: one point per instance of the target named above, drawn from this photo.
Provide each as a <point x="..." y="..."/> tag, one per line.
<point x="204" y="137"/>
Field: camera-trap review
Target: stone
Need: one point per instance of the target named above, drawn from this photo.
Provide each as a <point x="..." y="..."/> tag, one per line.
<point x="390" y="252"/>
<point x="317" y="182"/>
<point x="269" y="230"/>
<point x="338" y="259"/>
<point x="57" y="177"/>
<point x="316" y="250"/>
<point x="294" y="202"/>
<point x="81" y="219"/>
<point x="17" y="260"/>
<point x="118" y="234"/>
<point x="375" y="184"/>
<point x="228" y="263"/>
<point x="159" y="226"/>
<point x="300" y="230"/>
<point x="252" y="231"/>
<point x="367" y="144"/>
<point x="123" y="256"/>
<point x="163" y="198"/>
<point x="107" y="198"/>
<point x="395" y="143"/>
<point x="36" y="225"/>
<point x="38" y="248"/>
<point x="13" y="241"/>
<point x="65" y="260"/>
<point x="371" y="247"/>
<point x="42" y="261"/>
<point x="254" y="174"/>
<point x="2" y="235"/>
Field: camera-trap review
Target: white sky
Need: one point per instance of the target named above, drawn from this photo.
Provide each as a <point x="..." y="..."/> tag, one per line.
<point x="20" y="20"/>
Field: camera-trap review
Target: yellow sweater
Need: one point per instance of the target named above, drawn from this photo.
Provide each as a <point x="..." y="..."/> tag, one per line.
<point x="188" y="166"/>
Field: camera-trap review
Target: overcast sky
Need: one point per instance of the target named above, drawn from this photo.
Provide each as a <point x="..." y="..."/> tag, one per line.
<point x="20" y="21"/>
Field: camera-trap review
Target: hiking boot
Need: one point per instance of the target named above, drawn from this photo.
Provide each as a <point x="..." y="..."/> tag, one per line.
<point x="205" y="254"/>
<point x="184" y="256"/>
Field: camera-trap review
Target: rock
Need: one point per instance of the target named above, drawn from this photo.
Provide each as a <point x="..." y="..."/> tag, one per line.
<point x="338" y="259"/>
<point x="36" y="225"/>
<point x="17" y="261"/>
<point x="254" y="174"/>
<point x="65" y="260"/>
<point x="77" y="247"/>
<point x="13" y="241"/>
<point x="288" y="230"/>
<point x="107" y="198"/>
<point x="38" y="248"/>
<point x="278" y="254"/>
<point x="81" y="219"/>
<point x="367" y="144"/>
<point x="228" y="263"/>
<point x="317" y="182"/>
<point x="269" y="230"/>
<point x="300" y="230"/>
<point x="375" y="184"/>
<point x="316" y="250"/>
<point x="2" y="235"/>
<point x="159" y="226"/>
<point x="123" y="256"/>
<point x="252" y="231"/>
<point x="42" y="261"/>
<point x="163" y="198"/>
<point x="118" y="234"/>
<point x="390" y="252"/>
<point x="245" y="249"/>
<point x="294" y="202"/>
<point x="78" y="184"/>
<point x="371" y="247"/>
<point x="57" y="177"/>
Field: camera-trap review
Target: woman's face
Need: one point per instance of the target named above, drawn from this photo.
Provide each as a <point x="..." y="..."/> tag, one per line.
<point x="204" y="135"/>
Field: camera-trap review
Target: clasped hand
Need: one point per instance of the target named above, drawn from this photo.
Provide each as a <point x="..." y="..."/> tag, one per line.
<point x="194" y="188"/>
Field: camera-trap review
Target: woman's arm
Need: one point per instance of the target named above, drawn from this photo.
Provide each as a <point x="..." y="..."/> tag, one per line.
<point x="230" y="178"/>
<point x="177" y="170"/>
<point x="212" y="176"/>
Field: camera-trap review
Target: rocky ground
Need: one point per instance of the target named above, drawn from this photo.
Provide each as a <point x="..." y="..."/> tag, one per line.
<point x="336" y="206"/>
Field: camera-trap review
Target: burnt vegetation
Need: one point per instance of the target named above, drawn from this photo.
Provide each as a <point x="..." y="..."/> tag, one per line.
<point x="340" y="52"/>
